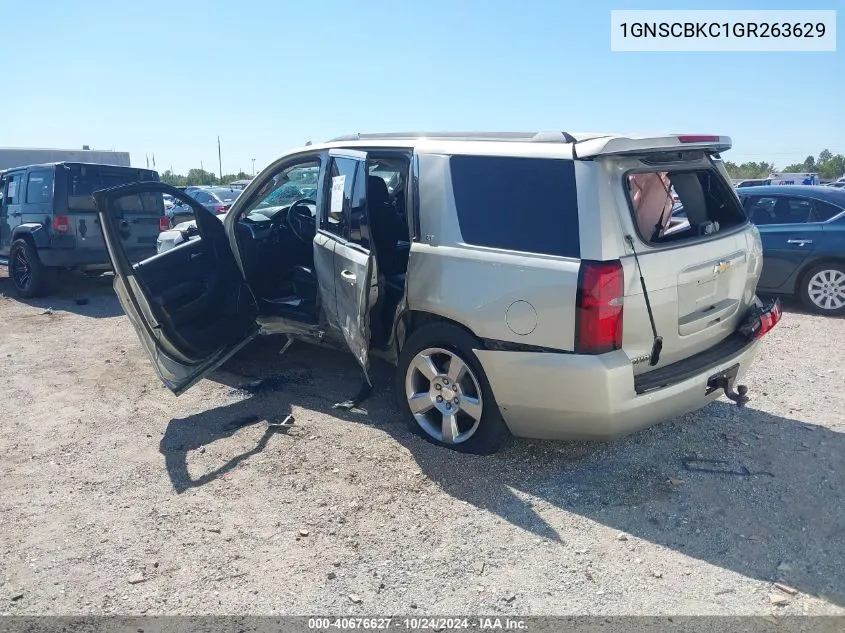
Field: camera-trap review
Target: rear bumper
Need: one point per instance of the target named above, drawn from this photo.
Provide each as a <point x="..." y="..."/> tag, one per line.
<point x="571" y="396"/>
<point x="62" y="257"/>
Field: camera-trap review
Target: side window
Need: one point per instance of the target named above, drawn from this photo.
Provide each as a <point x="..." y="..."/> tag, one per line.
<point x="359" y="228"/>
<point x="202" y="197"/>
<point x="338" y="206"/>
<point x="760" y="210"/>
<point x="823" y="211"/>
<point x="39" y="187"/>
<point x="13" y="189"/>
<point x="797" y="212"/>
<point x="518" y="204"/>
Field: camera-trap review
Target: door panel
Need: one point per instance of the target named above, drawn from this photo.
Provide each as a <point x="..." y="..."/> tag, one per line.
<point x="789" y="238"/>
<point x="353" y="282"/>
<point x="190" y="306"/>
<point x="324" y="245"/>
<point x="13" y="200"/>
<point x="785" y="248"/>
<point x="5" y="231"/>
<point x="353" y="269"/>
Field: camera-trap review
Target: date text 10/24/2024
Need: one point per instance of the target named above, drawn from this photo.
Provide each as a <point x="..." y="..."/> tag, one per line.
<point x="418" y="624"/>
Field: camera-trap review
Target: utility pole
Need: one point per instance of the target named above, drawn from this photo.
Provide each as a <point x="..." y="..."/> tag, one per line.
<point x="220" y="160"/>
<point x="253" y="168"/>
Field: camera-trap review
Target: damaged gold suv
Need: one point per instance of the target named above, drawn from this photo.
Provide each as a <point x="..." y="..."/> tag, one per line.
<point x="546" y="285"/>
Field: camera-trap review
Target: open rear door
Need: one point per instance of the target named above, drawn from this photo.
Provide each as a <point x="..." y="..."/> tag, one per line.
<point x="355" y="276"/>
<point x="189" y="305"/>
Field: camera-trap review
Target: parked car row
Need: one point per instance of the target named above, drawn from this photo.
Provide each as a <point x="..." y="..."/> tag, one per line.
<point x="215" y="199"/>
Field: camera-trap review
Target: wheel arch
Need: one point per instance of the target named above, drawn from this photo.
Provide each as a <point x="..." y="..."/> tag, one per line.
<point x="413" y="320"/>
<point x="32" y="233"/>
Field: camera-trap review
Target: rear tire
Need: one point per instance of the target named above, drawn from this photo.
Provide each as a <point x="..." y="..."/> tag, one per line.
<point x="30" y="277"/>
<point x="442" y="388"/>
<point x="823" y="289"/>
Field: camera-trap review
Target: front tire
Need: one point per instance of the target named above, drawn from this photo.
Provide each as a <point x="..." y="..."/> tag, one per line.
<point x="30" y="277"/>
<point x="442" y="387"/>
<point x="823" y="289"/>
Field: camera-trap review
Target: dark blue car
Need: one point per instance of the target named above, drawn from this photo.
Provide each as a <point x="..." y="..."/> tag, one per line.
<point x="803" y="231"/>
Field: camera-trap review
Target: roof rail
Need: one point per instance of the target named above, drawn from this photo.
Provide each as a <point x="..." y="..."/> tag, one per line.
<point x="537" y="137"/>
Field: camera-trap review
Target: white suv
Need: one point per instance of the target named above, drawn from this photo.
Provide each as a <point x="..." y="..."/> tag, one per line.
<point x="545" y="285"/>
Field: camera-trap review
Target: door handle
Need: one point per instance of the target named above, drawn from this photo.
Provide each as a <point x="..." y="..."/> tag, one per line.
<point x="193" y="256"/>
<point x="348" y="275"/>
<point x="17" y="214"/>
<point x="799" y="242"/>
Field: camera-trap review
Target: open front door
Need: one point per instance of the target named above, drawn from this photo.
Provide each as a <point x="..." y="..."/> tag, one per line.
<point x="190" y="305"/>
<point x="344" y="221"/>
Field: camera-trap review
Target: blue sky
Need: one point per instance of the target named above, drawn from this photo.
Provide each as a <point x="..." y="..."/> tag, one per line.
<point x="166" y="78"/>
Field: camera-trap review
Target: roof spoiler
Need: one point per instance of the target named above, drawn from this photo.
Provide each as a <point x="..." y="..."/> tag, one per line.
<point x="614" y="145"/>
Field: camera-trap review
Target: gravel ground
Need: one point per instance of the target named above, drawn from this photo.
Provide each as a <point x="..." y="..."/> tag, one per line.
<point x="119" y="498"/>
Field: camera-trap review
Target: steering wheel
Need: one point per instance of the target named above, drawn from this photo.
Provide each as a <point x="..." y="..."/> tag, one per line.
<point x="302" y="224"/>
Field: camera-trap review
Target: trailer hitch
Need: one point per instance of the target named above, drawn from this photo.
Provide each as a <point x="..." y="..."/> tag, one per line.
<point x="740" y="396"/>
<point x="725" y="381"/>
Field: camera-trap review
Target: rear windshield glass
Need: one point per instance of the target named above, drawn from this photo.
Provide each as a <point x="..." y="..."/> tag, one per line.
<point x="674" y="205"/>
<point x="226" y="195"/>
<point x="518" y="204"/>
<point x="82" y="181"/>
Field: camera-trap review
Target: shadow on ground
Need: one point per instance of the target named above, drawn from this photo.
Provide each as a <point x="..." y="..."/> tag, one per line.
<point x="770" y="506"/>
<point x="74" y="292"/>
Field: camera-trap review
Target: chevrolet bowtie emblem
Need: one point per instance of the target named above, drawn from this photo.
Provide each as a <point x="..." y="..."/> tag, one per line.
<point x="721" y="267"/>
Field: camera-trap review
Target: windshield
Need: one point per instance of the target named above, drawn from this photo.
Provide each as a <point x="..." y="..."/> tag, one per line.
<point x="84" y="180"/>
<point x="286" y="187"/>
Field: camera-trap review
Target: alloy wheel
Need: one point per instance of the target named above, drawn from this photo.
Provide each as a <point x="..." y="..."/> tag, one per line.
<point x="20" y="269"/>
<point x="444" y="395"/>
<point x="826" y="289"/>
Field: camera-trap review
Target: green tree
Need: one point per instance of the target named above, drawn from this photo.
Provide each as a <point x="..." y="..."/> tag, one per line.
<point x="809" y="164"/>
<point x="834" y="167"/>
<point x="825" y="156"/>
<point x="200" y="177"/>
<point x="229" y="178"/>
<point x="175" y="180"/>
<point x="749" y="170"/>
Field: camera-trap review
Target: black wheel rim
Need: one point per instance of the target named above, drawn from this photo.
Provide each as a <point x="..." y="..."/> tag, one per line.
<point x="21" y="269"/>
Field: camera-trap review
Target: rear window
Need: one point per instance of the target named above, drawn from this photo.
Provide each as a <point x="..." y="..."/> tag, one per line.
<point x="675" y="205"/>
<point x="227" y="195"/>
<point x="517" y="204"/>
<point x="82" y="181"/>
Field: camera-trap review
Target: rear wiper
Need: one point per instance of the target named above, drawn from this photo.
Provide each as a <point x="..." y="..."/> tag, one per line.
<point x="657" y="344"/>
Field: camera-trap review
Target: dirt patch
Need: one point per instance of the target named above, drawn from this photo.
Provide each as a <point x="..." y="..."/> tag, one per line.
<point x="120" y="498"/>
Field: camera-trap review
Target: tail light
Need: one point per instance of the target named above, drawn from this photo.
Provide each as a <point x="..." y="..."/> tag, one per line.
<point x="599" y="302"/>
<point x="222" y="208"/>
<point x="769" y="320"/>
<point x="61" y="224"/>
<point x="164" y="223"/>
<point x="698" y="138"/>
